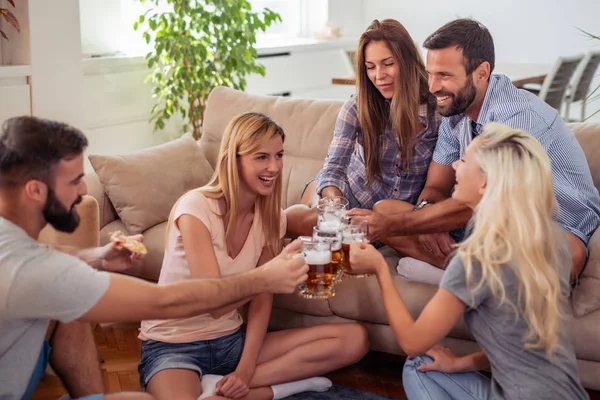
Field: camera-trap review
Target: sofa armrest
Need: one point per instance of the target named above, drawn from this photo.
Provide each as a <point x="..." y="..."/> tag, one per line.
<point x="107" y="212"/>
<point x="87" y="233"/>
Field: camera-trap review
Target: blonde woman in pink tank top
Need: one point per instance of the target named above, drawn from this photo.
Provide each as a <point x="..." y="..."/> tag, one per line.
<point x="231" y="225"/>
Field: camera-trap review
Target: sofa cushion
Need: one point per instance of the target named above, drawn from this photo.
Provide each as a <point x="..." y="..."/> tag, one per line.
<point x="144" y="185"/>
<point x="586" y="296"/>
<point x="308" y="125"/>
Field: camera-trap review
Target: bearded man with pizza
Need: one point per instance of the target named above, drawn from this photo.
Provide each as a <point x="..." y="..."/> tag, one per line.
<point x="49" y="297"/>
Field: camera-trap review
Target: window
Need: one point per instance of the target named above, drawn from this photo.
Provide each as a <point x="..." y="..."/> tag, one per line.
<point x="292" y="13"/>
<point x="107" y="26"/>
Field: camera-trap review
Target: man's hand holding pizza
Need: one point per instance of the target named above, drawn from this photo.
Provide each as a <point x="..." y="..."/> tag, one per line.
<point x="122" y="252"/>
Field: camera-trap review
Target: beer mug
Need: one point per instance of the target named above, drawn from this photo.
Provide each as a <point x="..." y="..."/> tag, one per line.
<point x="330" y="216"/>
<point x="335" y="200"/>
<point x="334" y="238"/>
<point x="321" y="276"/>
<point x="353" y="232"/>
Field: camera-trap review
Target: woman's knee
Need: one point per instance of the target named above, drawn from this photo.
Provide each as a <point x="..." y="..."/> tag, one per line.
<point x="391" y="206"/>
<point x="411" y="366"/>
<point x="355" y="342"/>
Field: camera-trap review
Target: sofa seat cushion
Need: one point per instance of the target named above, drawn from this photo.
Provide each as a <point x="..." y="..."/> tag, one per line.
<point x="360" y="300"/>
<point x="154" y="239"/>
<point x="585" y="334"/>
<point x="586" y="296"/>
<point x="293" y="302"/>
<point x="144" y="185"/>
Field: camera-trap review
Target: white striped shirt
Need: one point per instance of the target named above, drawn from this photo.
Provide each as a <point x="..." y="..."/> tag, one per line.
<point x="578" y="198"/>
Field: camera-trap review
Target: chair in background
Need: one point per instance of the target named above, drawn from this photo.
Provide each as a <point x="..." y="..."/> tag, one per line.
<point x="554" y="87"/>
<point x="581" y="82"/>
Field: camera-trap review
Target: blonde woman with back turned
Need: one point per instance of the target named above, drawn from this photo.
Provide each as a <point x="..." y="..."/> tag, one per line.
<point x="232" y="225"/>
<point x="509" y="278"/>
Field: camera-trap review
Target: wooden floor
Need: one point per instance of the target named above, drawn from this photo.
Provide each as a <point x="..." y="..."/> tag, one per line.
<point x="119" y="347"/>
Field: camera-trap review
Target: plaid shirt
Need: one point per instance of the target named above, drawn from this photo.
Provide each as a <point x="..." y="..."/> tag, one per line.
<point x="345" y="166"/>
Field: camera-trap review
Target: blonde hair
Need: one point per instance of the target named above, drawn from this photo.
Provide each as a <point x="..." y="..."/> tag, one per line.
<point x="514" y="231"/>
<point x="244" y="135"/>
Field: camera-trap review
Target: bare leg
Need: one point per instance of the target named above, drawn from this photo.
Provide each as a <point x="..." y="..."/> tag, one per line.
<point x="74" y="358"/>
<point x="301" y="353"/>
<point x="302" y="217"/>
<point x="408" y="246"/>
<point x="180" y="384"/>
<point x="128" y="396"/>
<point x="295" y="354"/>
<point x="578" y="255"/>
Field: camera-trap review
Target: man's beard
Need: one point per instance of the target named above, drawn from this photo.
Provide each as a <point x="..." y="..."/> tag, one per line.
<point x="57" y="215"/>
<point x="461" y="101"/>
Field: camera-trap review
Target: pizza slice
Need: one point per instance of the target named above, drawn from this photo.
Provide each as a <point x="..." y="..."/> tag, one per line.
<point x="128" y="242"/>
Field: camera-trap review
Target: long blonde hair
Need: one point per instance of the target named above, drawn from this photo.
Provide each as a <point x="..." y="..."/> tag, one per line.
<point x="514" y="231"/>
<point x="244" y="135"/>
<point x="411" y="90"/>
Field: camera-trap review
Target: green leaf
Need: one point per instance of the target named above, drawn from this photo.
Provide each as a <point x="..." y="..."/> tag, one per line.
<point x="197" y="46"/>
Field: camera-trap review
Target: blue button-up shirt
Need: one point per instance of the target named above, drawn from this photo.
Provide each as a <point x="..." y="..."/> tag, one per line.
<point x="577" y="197"/>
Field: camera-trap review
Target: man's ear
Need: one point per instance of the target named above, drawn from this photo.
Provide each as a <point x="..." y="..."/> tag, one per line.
<point x="36" y="190"/>
<point x="482" y="72"/>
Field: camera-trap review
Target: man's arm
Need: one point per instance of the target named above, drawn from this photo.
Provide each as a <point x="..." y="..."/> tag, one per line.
<point x="441" y="217"/>
<point x="131" y="299"/>
<point x="439" y="183"/>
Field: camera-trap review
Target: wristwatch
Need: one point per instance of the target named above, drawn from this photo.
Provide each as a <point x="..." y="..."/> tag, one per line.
<point x="422" y="204"/>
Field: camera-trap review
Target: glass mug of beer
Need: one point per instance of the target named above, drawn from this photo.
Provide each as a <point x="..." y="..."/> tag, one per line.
<point x="334" y="238"/>
<point x="321" y="276"/>
<point x="353" y="232"/>
<point x="335" y="200"/>
<point x="330" y="216"/>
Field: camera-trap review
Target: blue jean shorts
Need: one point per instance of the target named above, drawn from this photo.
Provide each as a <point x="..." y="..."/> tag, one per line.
<point x="217" y="356"/>
<point x="39" y="371"/>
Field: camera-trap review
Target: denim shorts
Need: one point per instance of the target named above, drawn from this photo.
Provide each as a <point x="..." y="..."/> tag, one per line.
<point x="217" y="356"/>
<point x="39" y="371"/>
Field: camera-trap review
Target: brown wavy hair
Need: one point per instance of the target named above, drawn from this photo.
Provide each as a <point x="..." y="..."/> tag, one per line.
<point x="411" y="90"/>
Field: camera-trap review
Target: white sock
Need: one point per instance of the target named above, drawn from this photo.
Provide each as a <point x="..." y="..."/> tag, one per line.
<point x="419" y="271"/>
<point x="316" y="384"/>
<point x="209" y="385"/>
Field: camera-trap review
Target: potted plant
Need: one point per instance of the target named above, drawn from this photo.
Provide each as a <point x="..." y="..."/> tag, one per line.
<point x="197" y="46"/>
<point x="10" y="18"/>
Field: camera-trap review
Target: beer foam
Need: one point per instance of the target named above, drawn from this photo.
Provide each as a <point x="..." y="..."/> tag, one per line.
<point x="330" y="226"/>
<point x="317" y="257"/>
<point x="347" y="237"/>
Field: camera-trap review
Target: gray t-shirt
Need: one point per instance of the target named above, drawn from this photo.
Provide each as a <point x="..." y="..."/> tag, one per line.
<point x="517" y="373"/>
<point x="37" y="284"/>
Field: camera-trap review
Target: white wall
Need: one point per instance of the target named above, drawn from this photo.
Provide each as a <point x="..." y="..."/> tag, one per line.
<point x="531" y="31"/>
<point x="524" y="31"/>
<point x="348" y="14"/>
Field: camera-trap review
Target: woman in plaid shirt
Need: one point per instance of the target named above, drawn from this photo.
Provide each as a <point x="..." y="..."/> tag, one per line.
<point x="384" y="135"/>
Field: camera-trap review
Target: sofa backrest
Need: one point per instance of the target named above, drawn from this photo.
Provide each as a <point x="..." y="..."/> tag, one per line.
<point x="588" y="136"/>
<point x="308" y="127"/>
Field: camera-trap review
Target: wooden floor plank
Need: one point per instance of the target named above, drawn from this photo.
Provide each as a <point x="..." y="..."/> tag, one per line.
<point x="119" y="346"/>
